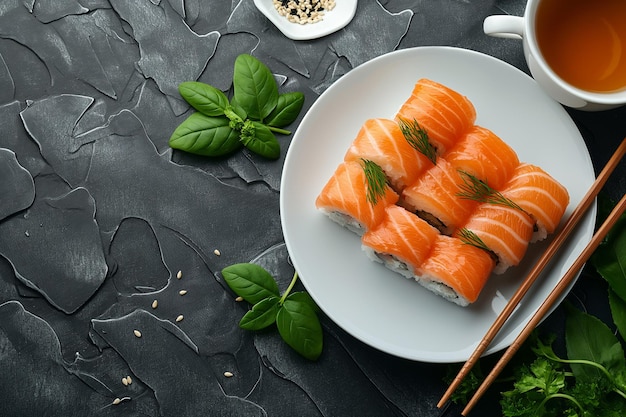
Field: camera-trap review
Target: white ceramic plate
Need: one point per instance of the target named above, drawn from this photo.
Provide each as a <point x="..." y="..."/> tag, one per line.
<point x="377" y="306"/>
<point x="334" y="19"/>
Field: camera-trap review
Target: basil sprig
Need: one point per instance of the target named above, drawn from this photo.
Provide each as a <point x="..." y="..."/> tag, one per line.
<point x="250" y="118"/>
<point x="295" y="314"/>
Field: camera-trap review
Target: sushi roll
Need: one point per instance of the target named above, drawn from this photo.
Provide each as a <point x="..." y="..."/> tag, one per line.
<point x="501" y="230"/>
<point x="443" y="113"/>
<point x="455" y="270"/>
<point x="540" y="195"/>
<point x="484" y="155"/>
<point x="382" y="141"/>
<point x="401" y="241"/>
<point x="435" y="197"/>
<point x="346" y="198"/>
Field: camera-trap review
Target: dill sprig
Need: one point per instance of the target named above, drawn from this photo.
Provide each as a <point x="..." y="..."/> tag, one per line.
<point x="376" y="180"/>
<point x="471" y="238"/>
<point x="478" y="190"/>
<point x="418" y="139"/>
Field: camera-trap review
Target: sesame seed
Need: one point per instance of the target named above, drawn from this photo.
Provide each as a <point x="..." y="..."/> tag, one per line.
<point x="239" y="299"/>
<point x="137" y="333"/>
<point x="228" y="374"/>
<point x="129" y="380"/>
<point x="125" y="381"/>
<point x="179" y="275"/>
<point x="179" y="318"/>
<point x="217" y="252"/>
<point x="182" y="292"/>
<point x="155" y="303"/>
<point x="119" y="400"/>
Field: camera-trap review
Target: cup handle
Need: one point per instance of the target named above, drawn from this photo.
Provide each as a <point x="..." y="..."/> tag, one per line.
<point x="504" y="26"/>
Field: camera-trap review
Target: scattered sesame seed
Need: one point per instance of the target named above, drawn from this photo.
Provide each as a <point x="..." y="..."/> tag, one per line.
<point x="217" y="252"/>
<point x="125" y="381"/>
<point x="179" y="275"/>
<point x="228" y="374"/>
<point x="129" y="380"/>
<point x="155" y="304"/>
<point x="239" y="299"/>
<point x="119" y="400"/>
<point x="179" y="318"/>
<point x="137" y="333"/>
<point x="182" y="292"/>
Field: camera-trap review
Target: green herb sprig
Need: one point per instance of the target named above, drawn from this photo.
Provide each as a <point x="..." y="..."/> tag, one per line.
<point x="295" y="314"/>
<point x="376" y="181"/>
<point x="418" y="139"/>
<point x="256" y="111"/>
<point x="475" y="189"/>
<point x="470" y="237"/>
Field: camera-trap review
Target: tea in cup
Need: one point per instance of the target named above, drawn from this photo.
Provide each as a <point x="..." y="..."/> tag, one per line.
<point x="575" y="49"/>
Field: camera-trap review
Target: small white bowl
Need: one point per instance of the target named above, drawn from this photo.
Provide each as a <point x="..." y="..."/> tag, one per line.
<point x="333" y="20"/>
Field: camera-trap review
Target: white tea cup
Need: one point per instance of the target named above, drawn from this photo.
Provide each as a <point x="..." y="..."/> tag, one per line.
<point x="607" y="36"/>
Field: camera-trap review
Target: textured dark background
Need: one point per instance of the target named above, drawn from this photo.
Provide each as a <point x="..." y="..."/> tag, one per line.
<point x="97" y="214"/>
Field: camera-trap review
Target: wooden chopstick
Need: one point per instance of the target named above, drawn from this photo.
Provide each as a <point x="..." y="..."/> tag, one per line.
<point x="558" y="290"/>
<point x="558" y="240"/>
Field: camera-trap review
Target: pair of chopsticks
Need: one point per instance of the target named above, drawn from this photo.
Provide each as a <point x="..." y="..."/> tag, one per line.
<point x="558" y="290"/>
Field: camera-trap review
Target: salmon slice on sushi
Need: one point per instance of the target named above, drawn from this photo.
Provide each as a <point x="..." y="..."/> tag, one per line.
<point x="352" y="200"/>
<point x="435" y="197"/>
<point x="484" y="155"/>
<point x="382" y="142"/>
<point x="401" y="242"/>
<point x="540" y="195"/>
<point x="455" y="270"/>
<point x="502" y="230"/>
<point x="443" y="113"/>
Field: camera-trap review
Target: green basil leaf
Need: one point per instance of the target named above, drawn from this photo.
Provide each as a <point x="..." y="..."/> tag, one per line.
<point x="255" y="88"/>
<point x="204" y="135"/>
<point x="609" y="259"/>
<point x="239" y="111"/>
<point x="204" y="97"/>
<point x="250" y="281"/>
<point x="588" y="338"/>
<point x="618" y="312"/>
<point x="304" y="297"/>
<point x="300" y="328"/>
<point x="263" y="142"/>
<point x="263" y="314"/>
<point x="287" y="109"/>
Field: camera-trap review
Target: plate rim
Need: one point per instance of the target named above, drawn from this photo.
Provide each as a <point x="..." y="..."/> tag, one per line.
<point x="447" y="357"/>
